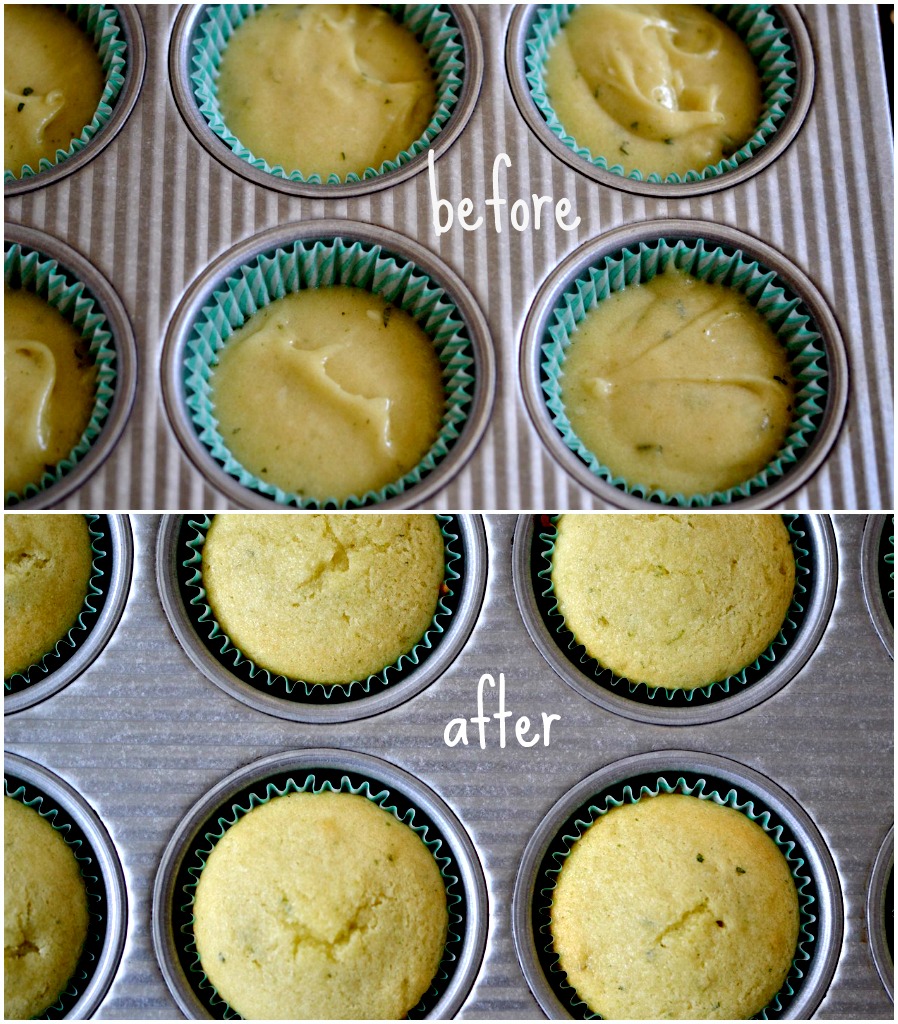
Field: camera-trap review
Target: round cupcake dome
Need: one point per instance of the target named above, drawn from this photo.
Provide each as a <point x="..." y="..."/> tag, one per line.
<point x="395" y="791"/>
<point x="51" y="269"/>
<point x="113" y="551"/>
<point x="787" y="300"/>
<point x="101" y="872"/>
<point x="448" y="33"/>
<point x="813" y="544"/>
<point x="179" y="571"/>
<point x="777" y="40"/>
<point x="316" y="255"/>
<point x="117" y="33"/>
<point x="702" y="776"/>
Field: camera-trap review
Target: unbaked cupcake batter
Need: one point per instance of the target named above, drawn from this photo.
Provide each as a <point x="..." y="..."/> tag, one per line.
<point x="325" y="88"/>
<point x="678" y="385"/>
<point x="329" y="393"/>
<point x="49" y="387"/>
<point x="659" y="88"/>
<point x="53" y="82"/>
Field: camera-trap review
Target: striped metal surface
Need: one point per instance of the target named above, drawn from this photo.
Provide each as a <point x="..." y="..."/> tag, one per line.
<point x="153" y="209"/>
<point x="142" y="734"/>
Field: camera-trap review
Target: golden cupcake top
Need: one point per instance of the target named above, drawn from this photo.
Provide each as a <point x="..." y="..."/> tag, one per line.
<point x="675" y="907"/>
<point x="49" y="388"/>
<point x="678" y="385"/>
<point x="44" y="912"/>
<point x="53" y="82"/>
<point x="658" y="88"/>
<point x="324" y="598"/>
<point x="329" y="393"/>
<point x="325" y="88"/>
<point x="671" y="600"/>
<point x="320" y="906"/>
<point x="47" y="564"/>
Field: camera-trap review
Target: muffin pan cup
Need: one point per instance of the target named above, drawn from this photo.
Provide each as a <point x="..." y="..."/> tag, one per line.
<point x="767" y="144"/>
<point x="805" y="449"/>
<point x="302" y="763"/>
<point x="50" y="264"/>
<point x="880" y="913"/>
<point x="127" y="59"/>
<point x="466" y="352"/>
<point x="818" y="602"/>
<point x="107" y="897"/>
<point x="405" y="683"/>
<point x="722" y="774"/>
<point x="443" y="130"/>
<point x="89" y="639"/>
<point x="874" y="569"/>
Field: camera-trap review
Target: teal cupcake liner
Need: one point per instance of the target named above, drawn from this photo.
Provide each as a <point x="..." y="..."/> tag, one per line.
<point x="101" y="546"/>
<point x="887" y="572"/>
<point x="28" y="269"/>
<point x="220" y="645"/>
<point x="432" y="24"/>
<point x="101" y="23"/>
<point x="784" y="311"/>
<point x="759" y="27"/>
<point x="312" y="781"/>
<point x="703" y="788"/>
<point x="319" y="264"/>
<point x="643" y="692"/>
<point x="91" y="875"/>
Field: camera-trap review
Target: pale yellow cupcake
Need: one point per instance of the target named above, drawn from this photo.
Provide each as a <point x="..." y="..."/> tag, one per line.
<point x="675" y="908"/>
<point x="47" y="563"/>
<point x="44" y="912"/>
<point x="673" y="600"/>
<point x="320" y="906"/>
<point x="324" y="598"/>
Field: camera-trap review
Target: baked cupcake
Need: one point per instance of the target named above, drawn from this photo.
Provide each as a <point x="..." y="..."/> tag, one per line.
<point x="327" y="599"/>
<point x="676" y="602"/>
<point x="48" y="563"/>
<point x="675" y="907"/>
<point x="320" y="905"/>
<point x="45" y="912"/>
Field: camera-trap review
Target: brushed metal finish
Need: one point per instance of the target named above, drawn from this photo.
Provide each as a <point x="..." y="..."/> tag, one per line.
<point x="823" y="549"/>
<point x="472" y="880"/>
<point x="199" y="293"/>
<point x="472" y="586"/>
<point x="870" y="574"/>
<point x="125" y="361"/>
<point x="118" y="586"/>
<point x="877" y="910"/>
<point x="108" y="865"/>
<point x="185" y="27"/>
<point x="143" y="735"/>
<point x="820" y="866"/>
<point x="811" y="459"/>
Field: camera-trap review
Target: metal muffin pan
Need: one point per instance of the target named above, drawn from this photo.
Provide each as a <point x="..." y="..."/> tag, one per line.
<point x="819" y="865"/>
<point x="155" y="209"/>
<point x="821" y="585"/>
<point x="300" y="762"/>
<point x="185" y="27"/>
<point x="872" y="576"/>
<point x="515" y="53"/>
<point x="174" y="348"/>
<point x="880" y="908"/>
<point x="117" y="586"/>
<point x="471" y="587"/>
<point x="135" y="66"/>
<point x="144" y="736"/>
<point x="106" y="862"/>
<point x="125" y="360"/>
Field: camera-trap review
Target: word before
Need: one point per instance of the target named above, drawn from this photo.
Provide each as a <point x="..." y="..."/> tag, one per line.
<point x="457" y="730"/>
<point x="519" y="214"/>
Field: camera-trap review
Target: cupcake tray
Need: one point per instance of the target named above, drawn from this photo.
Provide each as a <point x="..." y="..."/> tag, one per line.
<point x="149" y="741"/>
<point x="153" y="210"/>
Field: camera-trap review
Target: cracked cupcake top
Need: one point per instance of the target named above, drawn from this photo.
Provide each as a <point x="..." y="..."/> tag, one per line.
<point x="675" y="907"/>
<point x="320" y="905"/>
<point x="324" y="598"/>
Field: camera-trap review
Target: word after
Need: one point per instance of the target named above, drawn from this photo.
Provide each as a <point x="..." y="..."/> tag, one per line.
<point x="457" y="730"/>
